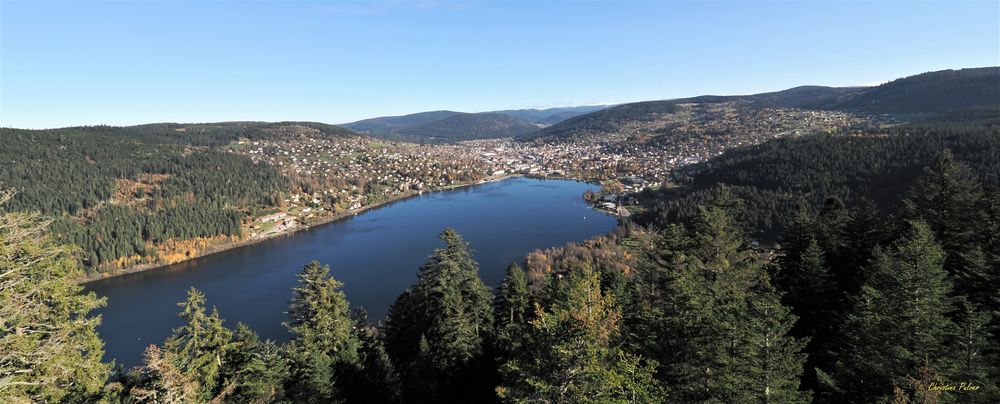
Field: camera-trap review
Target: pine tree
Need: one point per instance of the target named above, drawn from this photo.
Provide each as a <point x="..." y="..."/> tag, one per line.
<point x="865" y="233"/>
<point x="438" y="333"/>
<point x="324" y="343"/>
<point x="319" y="315"/>
<point x="801" y="231"/>
<point x="899" y="318"/>
<point x="49" y="349"/>
<point x="711" y="354"/>
<point x="832" y="224"/>
<point x="813" y="296"/>
<point x="775" y="360"/>
<point x="256" y="369"/>
<point x="198" y="346"/>
<point x="571" y="356"/>
<point x="513" y="310"/>
<point x="379" y="381"/>
<point x="949" y="200"/>
<point x="159" y="380"/>
<point x="972" y="359"/>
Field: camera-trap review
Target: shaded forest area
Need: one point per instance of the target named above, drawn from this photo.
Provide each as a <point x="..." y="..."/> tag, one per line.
<point x="775" y="178"/>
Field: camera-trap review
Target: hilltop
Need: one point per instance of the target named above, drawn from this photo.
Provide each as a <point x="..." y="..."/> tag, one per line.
<point x="450" y="126"/>
<point x="932" y="92"/>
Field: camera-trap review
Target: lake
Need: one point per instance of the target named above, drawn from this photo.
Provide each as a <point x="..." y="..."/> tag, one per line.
<point x="376" y="254"/>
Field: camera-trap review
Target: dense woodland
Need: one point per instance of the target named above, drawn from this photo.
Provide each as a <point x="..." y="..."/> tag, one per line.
<point x="775" y="178"/>
<point x="446" y="126"/>
<point x="116" y="192"/>
<point x="856" y="307"/>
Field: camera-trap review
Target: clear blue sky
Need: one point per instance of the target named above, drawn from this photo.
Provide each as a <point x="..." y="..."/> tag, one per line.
<point x="121" y="63"/>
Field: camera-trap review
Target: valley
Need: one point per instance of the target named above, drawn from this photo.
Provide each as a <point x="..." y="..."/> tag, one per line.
<point x="125" y="214"/>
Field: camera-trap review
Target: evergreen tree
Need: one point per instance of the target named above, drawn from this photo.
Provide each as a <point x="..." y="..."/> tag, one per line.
<point x="972" y="359"/>
<point x="800" y="232"/>
<point x="899" y="318"/>
<point x="811" y="291"/>
<point x="380" y="381"/>
<point x="711" y="353"/>
<point x="832" y="226"/>
<point x="257" y="370"/>
<point x="374" y="380"/>
<point x="865" y="232"/>
<point x="949" y="200"/>
<point x="49" y="349"/>
<point x="198" y="346"/>
<point x="513" y="310"/>
<point x="813" y="296"/>
<point x="774" y="359"/>
<point x="324" y="343"/>
<point x="440" y="330"/>
<point x="160" y="380"/>
<point x="571" y="356"/>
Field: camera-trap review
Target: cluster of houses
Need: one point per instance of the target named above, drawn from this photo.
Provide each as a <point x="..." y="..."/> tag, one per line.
<point x="354" y="172"/>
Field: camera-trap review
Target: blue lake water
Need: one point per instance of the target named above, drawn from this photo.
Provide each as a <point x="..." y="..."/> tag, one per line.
<point x="376" y="254"/>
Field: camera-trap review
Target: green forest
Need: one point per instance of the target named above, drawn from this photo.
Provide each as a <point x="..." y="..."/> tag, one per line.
<point x="118" y="192"/>
<point x="775" y="179"/>
<point x="855" y="307"/>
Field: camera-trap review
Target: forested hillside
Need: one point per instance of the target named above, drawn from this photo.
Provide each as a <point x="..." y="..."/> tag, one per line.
<point x="933" y="92"/>
<point x="549" y="116"/>
<point x="468" y="127"/>
<point x="419" y="127"/>
<point x="121" y="192"/>
<point x="776" y="177"/>
<point x="444" y="126"/>
<point x="389" y="124"/>
<point x="927" y="93"/>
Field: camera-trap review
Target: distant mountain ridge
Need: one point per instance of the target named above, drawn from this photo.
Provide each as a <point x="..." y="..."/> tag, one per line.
<point x="550" y="116"/>
<point x="393" y="123"/>
<point x="450" y="126"/>
<point x="927" y="93"/>
<point x="463" y="126"/>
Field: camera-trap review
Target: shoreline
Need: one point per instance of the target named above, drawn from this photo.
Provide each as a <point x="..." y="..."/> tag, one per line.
<point x="323" y="221"/>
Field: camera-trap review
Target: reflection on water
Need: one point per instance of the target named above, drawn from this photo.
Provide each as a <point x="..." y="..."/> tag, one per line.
<point x="375" y="254"/>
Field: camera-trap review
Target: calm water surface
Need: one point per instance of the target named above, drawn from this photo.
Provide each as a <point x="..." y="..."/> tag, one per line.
<point x="375" y="254"/>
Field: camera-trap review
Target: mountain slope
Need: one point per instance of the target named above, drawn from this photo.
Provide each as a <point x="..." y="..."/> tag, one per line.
<point x="550" y="116"/>
<point x="774" y="177"/>
<point x="446" y="126"/>
<point x="395" y="123"/>
<point x="933" y="92"/>
<point x="613" y="119"/>
<point x="930" y="92"/>
<point x="469" y="126"/>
